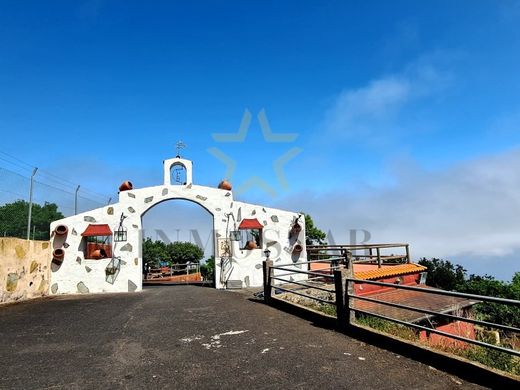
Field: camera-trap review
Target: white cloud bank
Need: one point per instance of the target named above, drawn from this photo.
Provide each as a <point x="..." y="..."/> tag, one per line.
<point x="469" y="213"/>
<point x="369" y="112"/>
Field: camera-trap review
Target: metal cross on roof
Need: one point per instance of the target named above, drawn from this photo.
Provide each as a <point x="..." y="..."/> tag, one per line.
<point x="179" y="146"/>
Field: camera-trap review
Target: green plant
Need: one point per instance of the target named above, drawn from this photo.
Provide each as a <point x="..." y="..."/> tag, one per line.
<point x="208" y="269"/>
<point x="386" y="326"/>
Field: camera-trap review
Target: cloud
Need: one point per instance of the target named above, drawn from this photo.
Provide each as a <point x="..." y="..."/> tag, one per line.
<point x="373" y="111"/>
<point x="468" y="213"/>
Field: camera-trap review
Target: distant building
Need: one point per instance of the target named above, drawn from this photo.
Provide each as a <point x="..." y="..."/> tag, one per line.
<point x="410" y="274"/>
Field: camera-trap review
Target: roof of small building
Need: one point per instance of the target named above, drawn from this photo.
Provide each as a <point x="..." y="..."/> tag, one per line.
<point x="250" y="224"/>
<point x="372" y="271"/>
<point x="97" y="230"/>
<point x="418" y="299"/>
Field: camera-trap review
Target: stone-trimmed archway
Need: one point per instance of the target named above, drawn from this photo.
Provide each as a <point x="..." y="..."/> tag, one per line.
<point x="244" y="267"/>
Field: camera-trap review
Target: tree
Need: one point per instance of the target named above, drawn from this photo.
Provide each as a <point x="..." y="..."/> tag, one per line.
<point x="13" y="219"/>
<point x="313" y="235"/>
<point x="184" y="252"/>
<point x="208" y="269"/>
<point x="443" y="274"/>
<point x="448" y="276"/>
<point x="495" y="312"/>
<point x="155" y="252"/>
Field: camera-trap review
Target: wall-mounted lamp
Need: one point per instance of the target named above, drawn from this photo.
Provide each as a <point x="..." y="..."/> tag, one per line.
<point x="267" y="253"/>
<point x="120" y="235"/>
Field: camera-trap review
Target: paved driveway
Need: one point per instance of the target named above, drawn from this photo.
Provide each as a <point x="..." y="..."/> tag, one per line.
<point x="189" y="337"/>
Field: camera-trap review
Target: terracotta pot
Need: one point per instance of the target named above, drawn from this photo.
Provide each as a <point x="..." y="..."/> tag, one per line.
<point x="98" y="254"/>
<point x="251" y="245"/>
<point x="297" y="248"/>
<point x="58" y="255"/>
<point x="61" y="230"/>
<point x="225" y="185"/>
<point x="127" y="185"/>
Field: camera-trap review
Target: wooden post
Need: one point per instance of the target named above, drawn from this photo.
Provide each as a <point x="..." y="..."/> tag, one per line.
<point x="378" y="257"/>
<point x="408" y="254"/>
<point x="268" y="273"/>
<point x="341" y="314"/>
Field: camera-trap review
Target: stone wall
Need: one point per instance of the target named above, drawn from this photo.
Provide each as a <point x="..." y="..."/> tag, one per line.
<point x="24" y="269"/>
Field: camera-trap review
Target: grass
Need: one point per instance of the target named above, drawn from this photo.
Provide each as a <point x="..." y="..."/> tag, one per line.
<point x="487" y="356"/>
<point x="389" y="327"/>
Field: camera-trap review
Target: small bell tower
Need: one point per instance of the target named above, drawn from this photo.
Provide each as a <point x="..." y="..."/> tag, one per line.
<point x="181" y="168"/>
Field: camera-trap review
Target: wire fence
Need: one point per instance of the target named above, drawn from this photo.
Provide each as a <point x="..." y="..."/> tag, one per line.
<point x="70" y="198"/>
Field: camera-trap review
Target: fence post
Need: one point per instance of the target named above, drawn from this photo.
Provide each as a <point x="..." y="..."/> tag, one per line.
<point x="30" y="205"/>
<point x="341" y="315"/>
<point x="408" y="253"/>
<point x="378" y="251"/>
<point x="350" y="314"/>
<point x="268" y="272"/>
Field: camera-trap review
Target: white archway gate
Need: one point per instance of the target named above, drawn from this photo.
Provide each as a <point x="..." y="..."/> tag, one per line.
<point x="121" y="270"/>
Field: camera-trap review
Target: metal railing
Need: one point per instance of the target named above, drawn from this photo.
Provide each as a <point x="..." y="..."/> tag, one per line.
<point x="338" y="279"/>
<point x="331" y="274"/>
<point x="174" y="270"/>
<point x="350" y="297"/>
<point x="362" y="253"/>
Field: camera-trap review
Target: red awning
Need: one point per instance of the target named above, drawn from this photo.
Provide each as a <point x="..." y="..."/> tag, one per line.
<point x="250" y="224"/>
<point x="97" y="230"/>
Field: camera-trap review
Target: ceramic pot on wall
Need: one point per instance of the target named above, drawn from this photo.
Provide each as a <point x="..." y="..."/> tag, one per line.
<point x="61" y="230"/>
<point x="127" y="185"/>
<point x="296" y="228"/>
<point x="225" y="185"/>
<point x="297" y="248"/>
<point x="58" y="255"/>
<point x="251" y="245"/>
<point x="98" y="254"/>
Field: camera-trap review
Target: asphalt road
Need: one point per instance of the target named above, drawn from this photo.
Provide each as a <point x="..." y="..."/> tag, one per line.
<point x="190" y="337"/>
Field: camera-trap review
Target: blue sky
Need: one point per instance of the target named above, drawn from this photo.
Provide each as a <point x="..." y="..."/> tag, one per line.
<point x="389" y="101"/>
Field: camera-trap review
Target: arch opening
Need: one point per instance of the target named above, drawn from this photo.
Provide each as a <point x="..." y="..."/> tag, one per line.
<point x="178" y="174"/>
<point x="178" y="243"/>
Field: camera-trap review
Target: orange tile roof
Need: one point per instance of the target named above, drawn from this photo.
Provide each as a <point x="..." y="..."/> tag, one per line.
<point x="387" y="271"/>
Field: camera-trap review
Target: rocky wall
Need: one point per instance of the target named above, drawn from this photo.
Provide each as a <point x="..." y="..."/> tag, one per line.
<point x="24" y="269"/>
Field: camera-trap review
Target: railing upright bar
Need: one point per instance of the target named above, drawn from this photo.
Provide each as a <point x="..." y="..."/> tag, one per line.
<point x="340" y="303"/>
<point x="349" y="293"/>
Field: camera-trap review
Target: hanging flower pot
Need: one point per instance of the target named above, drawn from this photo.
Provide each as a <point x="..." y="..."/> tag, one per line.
<point x="58" y="255"/>
<point x="61" y="230"/>
<point x="225" y="185"/>
<point x="127" y="185"/>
